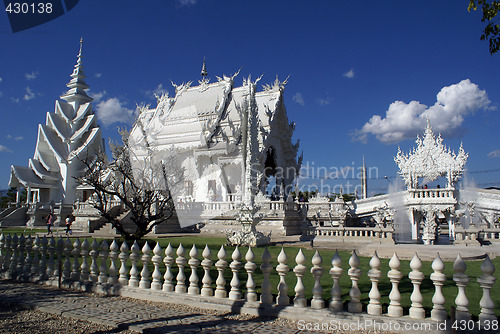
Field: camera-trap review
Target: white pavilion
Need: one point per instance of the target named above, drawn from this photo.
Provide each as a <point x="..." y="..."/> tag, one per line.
<point x="68" y="135"/>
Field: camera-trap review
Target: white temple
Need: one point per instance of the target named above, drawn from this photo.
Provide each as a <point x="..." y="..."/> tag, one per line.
<point x="230" y="142"/>
<point x="68" y="135"/>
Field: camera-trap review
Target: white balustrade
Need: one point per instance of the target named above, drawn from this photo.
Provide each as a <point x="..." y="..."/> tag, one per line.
<point x="486" y="282"/>
<point x="374" y="307"/>
<point x="113" y="270"/>
<point x="282" y="269"/>
<point x="193" y="263"/>
<point x="416" y="277"/>
<point x="26" y="270"/>
<point x="299" y="270"/>
<point x="207" y="262"/>
<point x="43" y="257"/>
<point x="15" y="255"/>
<point x="266" y="267"/>
<point x="134" y="272"/>
<point x="181" y="261"/>
<point x="250" y="267"/>
<point x="221" y="264"/>
<point x="336" y="273"/>
<point x="157" y="260"/>
<point x="68" y="247"/>
<point x="50" y="262"/>
<point x="145" y="283"/>
<point x="35" y="266"/>
<point x="75" y="270"/>
<point x="354" y="305"/>
<point x="394" y="275"/>
<point x="103" y="268"/>
<point x="168" y="284"/>
<point x="84" y="268"/>
<point x="123" y="256"/>
<point x="59" y="252"/>
<point x="235" y="266"/>
<point x="461" y="279"/>
<point x="317" y="271"/>
<point x="438" y="312"/>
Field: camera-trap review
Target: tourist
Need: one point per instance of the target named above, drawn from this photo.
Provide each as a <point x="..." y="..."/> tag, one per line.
<point x="68" y="225"/>
<point x="49" y="222"/>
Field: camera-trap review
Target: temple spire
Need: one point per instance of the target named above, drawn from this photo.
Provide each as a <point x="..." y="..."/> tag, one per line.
<point x="77" y="85"/>
<point x="204" y="72"/>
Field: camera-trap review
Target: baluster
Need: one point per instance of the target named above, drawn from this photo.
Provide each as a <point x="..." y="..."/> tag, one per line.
<point x="354" y="273"/>
<point x="235" y="266"/>
<point x="20" y="257"/>
<point x="43" y="257"/>
<point x="168" y="278"/>
<point x="145" y="258"/>
<point x="461" y="279"/>
<point x="336" y="292"/>
<point x="206" y="289"/>
<point x="134" y="272"/>
<point x="123" y="279"/>
<point x="394" y="275"/>
<point x="220" y="290"/>
<point x="27" y="261"/>
<point x="50" y="263"/>
<point x="266" y="267"/>
<point x="2" y="250"/>
<point x="317" y="271"/>
<point x="181" y="261"/>
<point x="67" y="263"/>
<point x="193" y="278"/>
<point x="282" y="269"/>
<point x="7" y="254"/>
<point x="486" y="282"/>
<point x="103" y="269"/>
<point x="14" y="257"/>
<point x="84" y="268"/>
<point x="416" y="277"/>
<point x="374" y="307"/>
<point x="300" y="270"/>
<point x="94" y="253"/>
<point x="156" y="284"/>
<point x="75" y="272"/>
<point x="59" y="254"/>
<point x="438" y="312"/>
<point x="113" y="270"/>
<point x="250" y="267"/>
<point x="35" y="267"/>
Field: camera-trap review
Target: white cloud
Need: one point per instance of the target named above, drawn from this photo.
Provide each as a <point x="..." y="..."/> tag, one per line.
<point x="187" y="2"/>
<point x="15" y="138"/>
<point x="349" y="74"/>
<point x="14" y="99"/>
<point x="97" y="96"/>
<point x="1" y="79"/>
<point x="298" y="98"/>
<point x="29" y="94"/>
<point x="494" y="154"/>
<point x="4" y="149"/>
<point x="404" y="120"/>
<point x="1" y="94"/>
<point x="324" y="101"/>
<point x="158" y="91"/>
<point x="98" y="75"/>
<point x="32" y="75"/>
<point x="113" y="110"/>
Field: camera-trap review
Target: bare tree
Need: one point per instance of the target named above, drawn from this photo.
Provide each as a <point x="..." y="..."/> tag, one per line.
<point x="141" y="185"/>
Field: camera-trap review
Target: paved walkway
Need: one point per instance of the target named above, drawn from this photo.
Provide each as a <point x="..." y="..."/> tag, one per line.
<point x="134" y="315"/>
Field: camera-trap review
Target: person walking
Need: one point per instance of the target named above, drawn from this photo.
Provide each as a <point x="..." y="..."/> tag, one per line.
<point x="49" y="222"/>
<point x="68" y="225"/>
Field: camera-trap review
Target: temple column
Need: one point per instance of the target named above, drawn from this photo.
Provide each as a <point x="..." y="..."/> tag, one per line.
<point x="18" y="196"/>
<point x="451" y="227"/>
<point x="415" y="225"/>
<point x="28" y="195"/>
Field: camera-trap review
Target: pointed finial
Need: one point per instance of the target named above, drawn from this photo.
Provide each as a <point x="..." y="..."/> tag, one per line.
<point x="204" y="72"/>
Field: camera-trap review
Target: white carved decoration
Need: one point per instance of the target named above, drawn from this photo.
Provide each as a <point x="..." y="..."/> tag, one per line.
<point x="430" y="160"/>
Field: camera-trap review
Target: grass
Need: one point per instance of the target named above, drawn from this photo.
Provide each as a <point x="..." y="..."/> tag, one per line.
<point x="473" y="291"/>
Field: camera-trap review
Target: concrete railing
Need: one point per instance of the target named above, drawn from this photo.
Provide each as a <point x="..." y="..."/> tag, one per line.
<point x="187" y="276"/>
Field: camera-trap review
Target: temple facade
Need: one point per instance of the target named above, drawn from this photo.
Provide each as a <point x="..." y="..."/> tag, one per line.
<point x="70" y="133"/>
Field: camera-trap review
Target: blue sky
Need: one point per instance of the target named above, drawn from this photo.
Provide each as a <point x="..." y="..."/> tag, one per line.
<point x="347" y="60"/>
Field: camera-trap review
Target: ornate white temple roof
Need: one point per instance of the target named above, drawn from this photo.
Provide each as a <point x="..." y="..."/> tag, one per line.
<point x="68" y="132"/>
<point x="430" y="160"/>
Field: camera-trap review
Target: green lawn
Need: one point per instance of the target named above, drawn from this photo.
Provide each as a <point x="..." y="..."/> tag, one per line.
<point x="474" y="292"/>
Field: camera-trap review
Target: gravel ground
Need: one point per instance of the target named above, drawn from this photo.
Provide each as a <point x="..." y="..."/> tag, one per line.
<point x="18" y="320"/>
